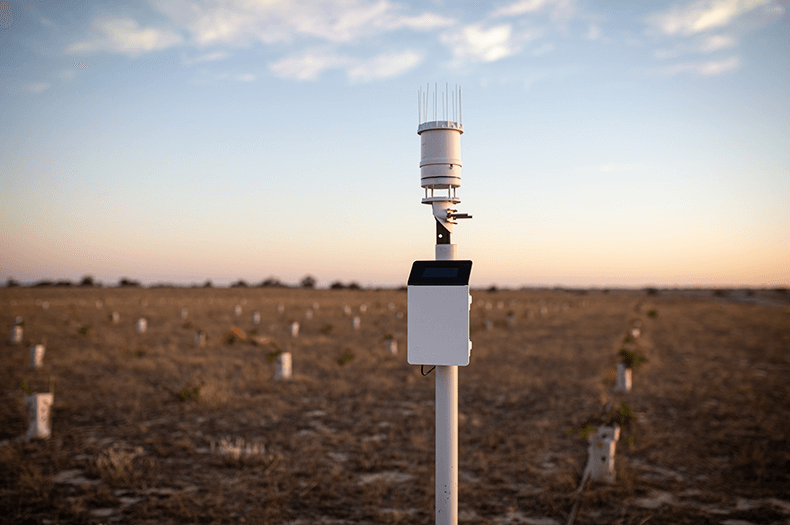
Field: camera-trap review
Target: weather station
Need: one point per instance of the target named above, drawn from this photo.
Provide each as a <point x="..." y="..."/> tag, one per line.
<point x="438" y="290"/>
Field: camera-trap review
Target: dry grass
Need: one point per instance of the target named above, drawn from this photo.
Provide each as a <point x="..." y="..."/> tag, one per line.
<point x="150" y="428"/>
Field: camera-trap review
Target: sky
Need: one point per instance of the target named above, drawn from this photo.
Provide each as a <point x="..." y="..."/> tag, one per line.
<point x="606" y="144"/>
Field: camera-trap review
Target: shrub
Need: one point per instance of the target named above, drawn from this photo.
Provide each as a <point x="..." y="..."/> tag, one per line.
<point x="272" y="282"/>
<point x="308" y="282"/>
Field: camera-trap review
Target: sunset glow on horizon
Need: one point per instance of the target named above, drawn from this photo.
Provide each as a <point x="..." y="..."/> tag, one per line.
<point x="189" y="140"/>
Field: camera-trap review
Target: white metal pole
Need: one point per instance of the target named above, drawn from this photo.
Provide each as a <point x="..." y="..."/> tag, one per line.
<point x="446" y="428"/>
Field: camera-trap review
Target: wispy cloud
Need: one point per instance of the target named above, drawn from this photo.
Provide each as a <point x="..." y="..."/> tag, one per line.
<point x="705" y="69"/>
<point x="37" y="87"/>
<point x="717" y="42"/>
<point x="703" y="45"/>
<point x="240" y="22"/>
<point x="207" y="57"/>
<point x="701" y="15"/>
<point x="307" y="66"/>
<point x="125" y="36"/>
<point x="384" y="66"/>
<point x="310" y="65"/>
<point x="474" y="43"/>
<point x="557" y="8"/>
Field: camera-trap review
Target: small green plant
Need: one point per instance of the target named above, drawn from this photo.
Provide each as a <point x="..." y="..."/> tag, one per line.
<point x="652" y="313"/>
<point x="631" y="359"/>
<point x="26" y="388"/>
<point x="622" y="416"/>
<point x="326" y="329"/>
<point x="189" y="393"/>
<point x="85" y="330"/>
<point x="583" y="432"/>
<point x="253" y="332"/>
<point x="139" y="353"/>
<point x="273" y="355"/>
<point x="628" y="339"/>
<point x="345" y="358"/>
<point x="388" y="336"/>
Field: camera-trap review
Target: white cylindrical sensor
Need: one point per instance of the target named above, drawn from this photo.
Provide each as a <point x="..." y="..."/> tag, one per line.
<point x="440" y="159"/>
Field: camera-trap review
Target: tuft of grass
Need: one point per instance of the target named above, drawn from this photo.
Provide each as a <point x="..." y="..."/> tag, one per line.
<point x="345" y="358"/>
<point x="188" y="393"/>
<point x="652" y="313"/>
<point x="85" y="330"/>
<point x="116" y="465"/>
<point x="326" y="329"/>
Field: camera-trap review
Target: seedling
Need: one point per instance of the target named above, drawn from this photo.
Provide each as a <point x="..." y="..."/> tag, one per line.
<point x="652" y="313"/>
<point x="622" y="416"/>
<point x="26" y="388"/>
<point x="326" y="329"/>
<point x="85" y="330"/>
<point x="189" y="393"/>
<point x="273" y="355"/>
<point x="346" y="357"/>
<point x="583" y="432"/>
<point x="631" y="359"/>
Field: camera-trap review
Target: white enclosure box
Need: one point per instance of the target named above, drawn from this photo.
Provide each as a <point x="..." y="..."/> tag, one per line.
<point x="438" y="319"/>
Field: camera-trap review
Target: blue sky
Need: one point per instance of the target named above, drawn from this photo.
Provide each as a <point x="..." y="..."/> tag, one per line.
<point x="606" y="144"/>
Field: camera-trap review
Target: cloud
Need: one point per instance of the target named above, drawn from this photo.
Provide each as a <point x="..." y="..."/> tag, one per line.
<point x="473" y="43"/>
<point x="124" y="35"/>
<point x="240" y="22"/>
<point x="704" y="45"/>
<point x="37" y="87"/>
<point x="701" y="15"/>
<point x="384" y="66"/>
<point x="310" y="65"/>
<point x="594" y="32"/>
<point x="207" y="57"/>
<point x="705" y="69"/>
<point x="559" y="8"/>
<point x="307" y="66"/>
<point x="245" y="77"/>
<point x="717" y="42"/>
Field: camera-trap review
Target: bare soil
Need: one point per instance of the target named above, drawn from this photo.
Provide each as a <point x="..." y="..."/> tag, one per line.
<point x="144" y="425"/>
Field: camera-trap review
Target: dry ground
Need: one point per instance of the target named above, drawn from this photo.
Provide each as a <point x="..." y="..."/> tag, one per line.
<point x="139" y="420"/>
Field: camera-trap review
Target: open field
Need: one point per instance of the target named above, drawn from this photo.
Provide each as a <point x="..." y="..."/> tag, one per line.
<point x="141" y="422"/>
